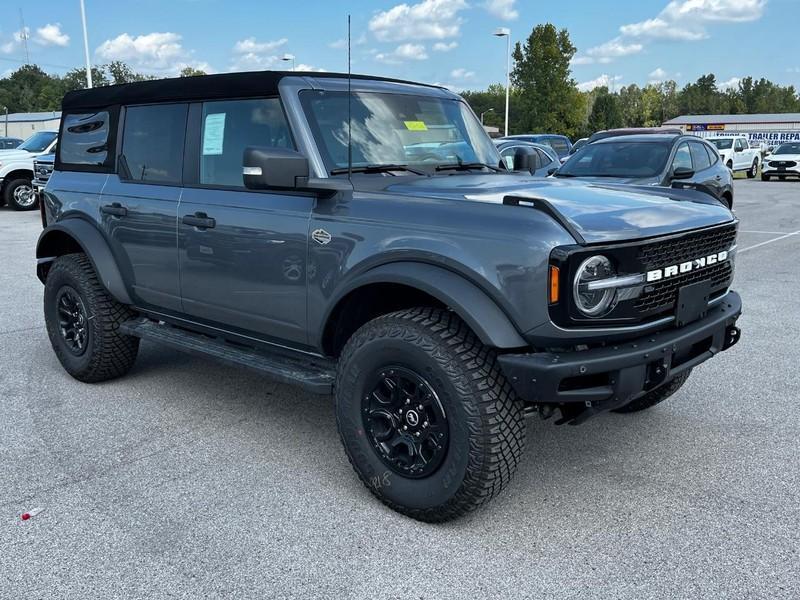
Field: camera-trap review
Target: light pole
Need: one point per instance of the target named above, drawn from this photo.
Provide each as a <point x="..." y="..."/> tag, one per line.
<point x="86" y="47"/>
<point x="484" y="112"/>
<point x="287" y="58"/>
<point x="506" y="32"/>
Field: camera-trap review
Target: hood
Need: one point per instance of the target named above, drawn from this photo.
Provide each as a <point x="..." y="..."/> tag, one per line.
<point x="9" y="155"/>
<point x="782" y="157"/>
<point x="595" y="212"/>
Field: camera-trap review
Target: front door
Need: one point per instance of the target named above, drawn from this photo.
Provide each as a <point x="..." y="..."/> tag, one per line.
<point x="242" y="254"/>
<point x="139" y="205"/>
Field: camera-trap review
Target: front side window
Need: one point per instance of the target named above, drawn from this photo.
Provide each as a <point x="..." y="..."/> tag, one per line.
<point x="38" y="142"/>
<point x="152" y="143"/>
<point x="229" y="127"/>
<point x="84" y="138"/>
<point x="392" y="129"/>
<point x="618" y="158"/>
<point x="699" y="156"/>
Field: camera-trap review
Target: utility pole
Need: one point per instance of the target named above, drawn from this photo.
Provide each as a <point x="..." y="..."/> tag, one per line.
<point x="86" y="47"/>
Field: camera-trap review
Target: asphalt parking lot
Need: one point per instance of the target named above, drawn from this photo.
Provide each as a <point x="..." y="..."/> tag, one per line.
<point x="190" y="479"/>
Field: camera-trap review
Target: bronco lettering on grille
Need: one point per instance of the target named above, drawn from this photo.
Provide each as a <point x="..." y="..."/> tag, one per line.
<point x="686" y="267"/>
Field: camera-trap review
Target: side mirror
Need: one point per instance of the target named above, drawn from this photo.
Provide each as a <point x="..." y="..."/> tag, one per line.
<point x="525" y="159"/>
<point x="267" y="167"/>
<point x="682" y="173"/>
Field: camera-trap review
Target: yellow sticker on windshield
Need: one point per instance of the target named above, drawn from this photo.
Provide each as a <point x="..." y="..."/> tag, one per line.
<point x="415" y="125"/>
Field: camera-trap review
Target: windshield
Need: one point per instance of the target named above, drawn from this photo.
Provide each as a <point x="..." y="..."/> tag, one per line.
<point x="722" y="143"/>
<point x="396" y="129"/>
<point x="788" y="149"/>
<point x="617" y="159"/>
<point x="38" y="142"/>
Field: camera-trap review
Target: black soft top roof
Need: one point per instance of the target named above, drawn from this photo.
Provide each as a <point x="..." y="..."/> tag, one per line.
<point x="201" y="87"/>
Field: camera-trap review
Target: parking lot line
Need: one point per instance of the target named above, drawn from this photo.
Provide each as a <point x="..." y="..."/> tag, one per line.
<point x="764" y="232"/>
<point x="768" y="241"/>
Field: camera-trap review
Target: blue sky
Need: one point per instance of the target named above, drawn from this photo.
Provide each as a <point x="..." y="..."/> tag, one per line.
<point x="443" y="41"/>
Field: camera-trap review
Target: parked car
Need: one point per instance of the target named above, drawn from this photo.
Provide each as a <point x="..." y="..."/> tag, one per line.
<point x="441" y="296"/>
<point x="666" y="160"/>
<point x="16" y="170"/>
<point x="559" y="143"/>
<point x="9" y="143"/>
<point x="607" y="133"/>
<point x="543" y="159"/>
<point x="577" y="146"/>
<point x="782" y="163"/>
<point x="737" y="154"/>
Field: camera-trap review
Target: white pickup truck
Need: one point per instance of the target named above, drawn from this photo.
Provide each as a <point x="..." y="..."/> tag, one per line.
<point x="737" y="154"/>
<point x="16" y="170"/>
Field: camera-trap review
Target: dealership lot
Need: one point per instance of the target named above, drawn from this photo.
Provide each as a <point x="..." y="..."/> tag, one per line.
<point x="188" y="478"/>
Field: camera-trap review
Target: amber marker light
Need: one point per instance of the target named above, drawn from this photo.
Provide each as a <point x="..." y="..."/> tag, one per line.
<point x="554" y="279"/>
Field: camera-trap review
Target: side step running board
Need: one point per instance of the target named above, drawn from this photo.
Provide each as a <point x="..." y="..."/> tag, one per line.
<point x="311" y="373"/>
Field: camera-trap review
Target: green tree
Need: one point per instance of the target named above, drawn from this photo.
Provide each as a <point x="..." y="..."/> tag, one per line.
<point x="494" y="97"/>
<point x="191" y="72"/>
<point x="606" y="113"/>
<point x="122" y="73"/>
<point x="631" y="106"/>
<point x="548" y="98"/>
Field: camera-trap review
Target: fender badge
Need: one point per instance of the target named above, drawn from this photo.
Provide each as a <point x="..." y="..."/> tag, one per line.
<point x="321" y="236"/>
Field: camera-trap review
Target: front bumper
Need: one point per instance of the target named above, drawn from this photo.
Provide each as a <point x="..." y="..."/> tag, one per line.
<point x="586" y="382"/>
<point x="769" y="170"/>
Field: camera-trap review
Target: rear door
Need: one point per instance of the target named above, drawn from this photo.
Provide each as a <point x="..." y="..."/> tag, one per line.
<point x="139" y="203"/>
<point x="243" y="253"/>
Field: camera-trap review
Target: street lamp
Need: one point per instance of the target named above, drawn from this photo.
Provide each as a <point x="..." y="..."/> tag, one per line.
<point x="86" y="47"/>
<point x="287" y="58"/>
<point x="484" y="112"/>
<point x="506" y="32"/>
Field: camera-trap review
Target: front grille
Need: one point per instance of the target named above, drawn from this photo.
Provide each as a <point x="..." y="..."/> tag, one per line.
<point x="655" y="255"/>
<point x="662" y="296"/>
<point x="782" y="163"/>
<point x="42" y="171"/>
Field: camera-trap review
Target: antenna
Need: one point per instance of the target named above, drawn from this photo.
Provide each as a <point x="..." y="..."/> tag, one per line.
<point x="349" y="109"/>
<point x="23" y="37"/>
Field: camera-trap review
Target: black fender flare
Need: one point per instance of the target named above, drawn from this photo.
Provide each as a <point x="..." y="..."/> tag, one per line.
<point x="467" y="300"/>
<point x="84" y="234"/>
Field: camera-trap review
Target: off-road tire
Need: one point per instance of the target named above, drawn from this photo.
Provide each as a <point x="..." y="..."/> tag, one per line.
<point x="657" y="396"/>
<point x="109" y="353"/>
<point x="753" y="171"/>
<point x="485" y="418"/>
<point x="11" y="187"/>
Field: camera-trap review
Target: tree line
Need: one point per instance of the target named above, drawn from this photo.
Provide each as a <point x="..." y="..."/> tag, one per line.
<point x="545" y="97"/>
<point x="30" y="89"/>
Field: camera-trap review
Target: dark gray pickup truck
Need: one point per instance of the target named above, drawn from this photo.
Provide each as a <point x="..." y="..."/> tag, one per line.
<point x="361" y="237"/>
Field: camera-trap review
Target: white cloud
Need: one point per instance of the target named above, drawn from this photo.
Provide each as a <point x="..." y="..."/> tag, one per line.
<point x="730" y="84"/>
<point x="445" y="47"/>
<point x="305" y="67"/>
<point x="462" y="73"/>
<point x="16" y="41"/>
<point x="605" y="53"/>
<point x="153" y="51"/>
<point x="502" y="9"/>
<point x="252" y="55"/>
<point x="657" y="75"/>
<point x="429" y="19"/>
<point x="51" y="35"/>
<point x="341" y="43"/>
<point x="604" y="80"/>
<point x="686" y="19"/>
<point x="251" y="45"/>
<point x="402" y="53"/>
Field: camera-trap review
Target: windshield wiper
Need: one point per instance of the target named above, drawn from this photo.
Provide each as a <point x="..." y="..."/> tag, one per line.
<point x="466" y="166"/>
<point x="377" y="169"/>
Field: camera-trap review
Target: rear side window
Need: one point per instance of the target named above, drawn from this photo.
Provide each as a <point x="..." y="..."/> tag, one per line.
<point x="228" y="127"/>
<point x="558" y="144"/>
<point x="84" y="138"/>
<point x="152" y="143"/>
<point x="713" y="156"/>
<point x="699" y="156"/>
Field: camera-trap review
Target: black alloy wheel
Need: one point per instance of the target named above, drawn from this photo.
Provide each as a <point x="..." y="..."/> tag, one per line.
<point x="72" y="320"/>
<point x="405" y="422"/>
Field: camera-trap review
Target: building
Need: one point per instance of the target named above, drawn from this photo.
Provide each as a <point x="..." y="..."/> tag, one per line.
<point x="770" y="129"/>
<point x="22" y="125"/>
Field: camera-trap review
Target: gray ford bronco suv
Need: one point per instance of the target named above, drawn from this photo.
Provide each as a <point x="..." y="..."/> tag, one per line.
<point x="362" y="237"/>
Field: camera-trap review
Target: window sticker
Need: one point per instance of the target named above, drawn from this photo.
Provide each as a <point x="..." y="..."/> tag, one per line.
<point x="213" y="134"/>
<point x="415" y="125"/>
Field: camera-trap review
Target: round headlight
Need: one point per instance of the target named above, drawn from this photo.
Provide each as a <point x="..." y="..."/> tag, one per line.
<point x="594" y="302"/>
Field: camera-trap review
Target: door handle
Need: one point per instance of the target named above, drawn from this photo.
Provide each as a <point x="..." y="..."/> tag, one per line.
<point x="200" y="220"/>
<point x="115" y="209"/>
